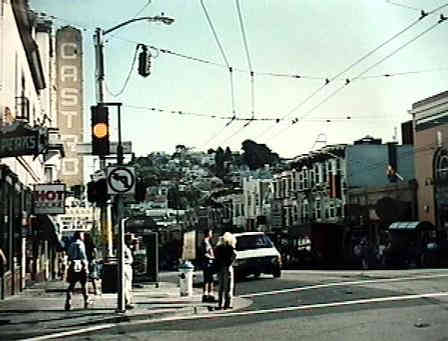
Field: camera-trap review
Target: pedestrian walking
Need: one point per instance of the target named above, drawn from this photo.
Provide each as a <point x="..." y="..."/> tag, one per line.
<point x="128" y="275"/>
<point x="77" y="269"/>
<point x="364" y="254"/>
<point x="225" y="256"/>
<point x="208" y="266"/>
<point x="92" y="254"/>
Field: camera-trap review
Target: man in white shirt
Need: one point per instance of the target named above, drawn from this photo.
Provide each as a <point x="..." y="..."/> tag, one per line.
<point x="128" y="260"/>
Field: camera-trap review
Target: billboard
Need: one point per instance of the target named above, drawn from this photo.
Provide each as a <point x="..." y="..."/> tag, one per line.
<point x="69" y="69"/>
<point x="49" y="199"/>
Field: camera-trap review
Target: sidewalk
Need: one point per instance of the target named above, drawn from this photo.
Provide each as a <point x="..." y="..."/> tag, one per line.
<point x="40" y="310"/>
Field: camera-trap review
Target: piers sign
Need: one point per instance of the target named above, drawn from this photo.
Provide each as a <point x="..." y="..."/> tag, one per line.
<point x="20" y="139"/>
<point x="49" y="199"/>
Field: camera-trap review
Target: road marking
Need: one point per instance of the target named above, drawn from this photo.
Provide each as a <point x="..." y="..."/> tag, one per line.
<point x="339" y="284"/>
<point x="244" y="313"/>
<point x="298" y="308"/>
<point x="72" y="332"/>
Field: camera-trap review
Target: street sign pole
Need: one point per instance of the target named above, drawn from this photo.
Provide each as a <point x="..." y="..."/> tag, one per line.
<point x="121" y="307"/>
<point x="121" y="304"/>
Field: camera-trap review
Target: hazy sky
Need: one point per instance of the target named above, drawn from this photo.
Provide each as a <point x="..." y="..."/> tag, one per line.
<point x="315" y="39"/>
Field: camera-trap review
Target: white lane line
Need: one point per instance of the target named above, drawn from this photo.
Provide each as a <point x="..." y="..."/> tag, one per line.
<point x="71" y="333"/>
<point x="297" y="308"/>
<point x="340" y="284"/>
<point x="244" y="313"/>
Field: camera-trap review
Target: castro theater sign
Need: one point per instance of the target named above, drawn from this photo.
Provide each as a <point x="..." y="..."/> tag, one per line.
<point x="49" y="199"/>
<point x="20" y="139"/>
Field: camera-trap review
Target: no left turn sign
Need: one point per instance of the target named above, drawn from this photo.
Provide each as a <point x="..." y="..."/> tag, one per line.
<point x="120" y="180"/>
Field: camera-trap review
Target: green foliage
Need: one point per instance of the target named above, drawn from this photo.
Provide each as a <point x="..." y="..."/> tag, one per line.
<point x="228" y="155"/>
<point x="257" y="155"/>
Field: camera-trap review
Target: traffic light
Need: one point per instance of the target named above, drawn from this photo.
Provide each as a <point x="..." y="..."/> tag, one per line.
<point x="100" y="130"/>
<point x="144" y="62"/>
<point x="97" y="191"/>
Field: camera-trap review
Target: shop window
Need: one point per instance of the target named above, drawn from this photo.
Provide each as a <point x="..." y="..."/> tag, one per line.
<point x="442" y="168"/>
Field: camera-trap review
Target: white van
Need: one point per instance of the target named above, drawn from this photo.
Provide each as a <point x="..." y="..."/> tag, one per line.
<point x="256" y="254"/>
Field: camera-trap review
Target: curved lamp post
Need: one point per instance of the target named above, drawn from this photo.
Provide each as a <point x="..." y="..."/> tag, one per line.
<point x="99" y="73"/>
<point x="99" y="45"/>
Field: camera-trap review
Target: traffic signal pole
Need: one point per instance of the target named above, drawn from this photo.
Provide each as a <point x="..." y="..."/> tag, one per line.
<point x="105" y="208"/>
<point x="99" y="75"/>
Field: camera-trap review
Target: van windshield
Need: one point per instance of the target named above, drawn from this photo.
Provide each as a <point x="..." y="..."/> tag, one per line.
<point x="251" y="242"/>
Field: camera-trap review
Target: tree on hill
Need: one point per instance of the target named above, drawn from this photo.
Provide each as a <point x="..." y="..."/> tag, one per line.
<point x="219" y="163"/>
<point x="257" y="155"/>
<point x="228" y="155"/>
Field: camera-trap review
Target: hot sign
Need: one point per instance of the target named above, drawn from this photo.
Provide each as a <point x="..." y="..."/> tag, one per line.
<point x="49" y="199"/>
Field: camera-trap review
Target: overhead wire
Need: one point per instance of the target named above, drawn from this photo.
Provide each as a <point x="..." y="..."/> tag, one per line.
<point x="229" y="67"/>
<point x="246" y="49"/>
<point x="128" y="77"/>
<point x="424" y="14"/>
<point x="358" y="61"/>
<point x="402" y="5"/>
<point x="143" y="8"/>
<point x="251" y="71"/>
<point x="328" y="119"/>
<point x="349" y="81"/>
<point x="205" y="61"/>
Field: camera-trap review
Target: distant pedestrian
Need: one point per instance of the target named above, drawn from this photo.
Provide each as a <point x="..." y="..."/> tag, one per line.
<point x="128" y="276"/>
<point x="225" y="255"/>
<point x="92" y="254"/>
<point x="77" y="269"/>
<point x="364" y="254"/>
<point x="208" y="266"/>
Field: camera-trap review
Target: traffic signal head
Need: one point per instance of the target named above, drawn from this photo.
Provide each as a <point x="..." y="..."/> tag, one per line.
<point x="100" y="130"/>
<point x="144" y="62"/>
<point x="97" y="191"/>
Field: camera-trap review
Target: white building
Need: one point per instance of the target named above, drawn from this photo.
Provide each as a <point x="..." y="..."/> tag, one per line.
<point x="31" y="151"/>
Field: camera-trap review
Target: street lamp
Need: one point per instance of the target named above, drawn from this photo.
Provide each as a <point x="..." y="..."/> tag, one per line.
<point x="99" y="45"/>
<point x="99" y="72"/>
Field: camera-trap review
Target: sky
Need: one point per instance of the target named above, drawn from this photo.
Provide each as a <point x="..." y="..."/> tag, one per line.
<point x="341" y="49"/>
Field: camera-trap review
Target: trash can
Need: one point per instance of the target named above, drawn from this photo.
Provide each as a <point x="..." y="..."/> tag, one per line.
<point x="186" y="279"/>
<point x="109" y="279"/>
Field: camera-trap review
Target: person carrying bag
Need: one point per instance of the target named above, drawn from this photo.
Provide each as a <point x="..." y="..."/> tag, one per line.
<point x="77" y="269"/>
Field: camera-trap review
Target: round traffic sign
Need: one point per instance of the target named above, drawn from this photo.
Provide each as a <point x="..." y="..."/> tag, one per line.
<point x="121" y="180"/>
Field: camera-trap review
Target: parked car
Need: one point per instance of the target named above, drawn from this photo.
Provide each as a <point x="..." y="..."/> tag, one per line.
<point x="256" y="254"/>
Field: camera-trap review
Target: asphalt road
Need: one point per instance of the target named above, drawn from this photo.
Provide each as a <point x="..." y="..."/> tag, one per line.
<point x="316" y="305"/>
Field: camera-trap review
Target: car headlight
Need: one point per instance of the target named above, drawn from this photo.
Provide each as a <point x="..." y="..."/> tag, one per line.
<point x="240" y="262"/>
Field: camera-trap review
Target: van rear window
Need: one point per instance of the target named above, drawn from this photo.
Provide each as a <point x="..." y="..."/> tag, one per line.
<point x="251" y="242"/>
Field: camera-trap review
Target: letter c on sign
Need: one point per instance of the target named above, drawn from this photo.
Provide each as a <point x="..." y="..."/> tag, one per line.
<point x="67" y="52"/>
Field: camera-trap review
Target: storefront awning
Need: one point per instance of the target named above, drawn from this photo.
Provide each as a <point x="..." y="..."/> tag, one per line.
<point x="49" y="227"/>
<point x="411" y="225"/>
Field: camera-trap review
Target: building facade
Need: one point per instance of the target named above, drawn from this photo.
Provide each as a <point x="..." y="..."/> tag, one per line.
<point x="430" y="118"/>
<point x="30" y="148"/>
